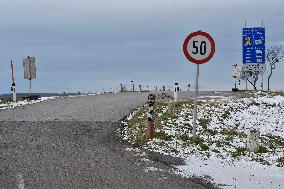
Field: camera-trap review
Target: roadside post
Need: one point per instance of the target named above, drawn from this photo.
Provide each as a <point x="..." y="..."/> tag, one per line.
<point x="198" y="48"/>
<point x="132" y="86"/>
<point x="176" y="92"/>
<point x="253" y="140"/>
<point x="150" y="116"/>
<point x="13" y="87"/>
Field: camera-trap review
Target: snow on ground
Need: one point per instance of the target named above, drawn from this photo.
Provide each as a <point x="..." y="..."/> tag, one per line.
<point x="9" y="104"/>
<point x="4" y="104"/>
<point x="241" y="174"/>
<point x="219" y="154"/>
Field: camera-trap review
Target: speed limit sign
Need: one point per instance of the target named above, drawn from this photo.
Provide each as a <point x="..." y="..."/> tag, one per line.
<point x="199" y="47"/>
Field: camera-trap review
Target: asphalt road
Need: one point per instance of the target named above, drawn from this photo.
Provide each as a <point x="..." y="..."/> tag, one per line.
<point x="74" y="143"/>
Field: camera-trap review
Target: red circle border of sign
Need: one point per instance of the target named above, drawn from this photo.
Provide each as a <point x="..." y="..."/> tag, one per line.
<point x="186" y="41"/>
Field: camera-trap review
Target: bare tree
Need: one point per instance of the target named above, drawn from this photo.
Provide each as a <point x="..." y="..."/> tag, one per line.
<point x="252" y="77"/>
<point x="274" y="55"/>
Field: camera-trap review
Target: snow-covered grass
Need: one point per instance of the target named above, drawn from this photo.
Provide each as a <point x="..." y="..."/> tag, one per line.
<point x="220" y="149"/>
<point x="5" y="104"/>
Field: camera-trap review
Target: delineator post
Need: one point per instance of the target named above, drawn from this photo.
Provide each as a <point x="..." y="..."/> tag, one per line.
<point x="150" y="116"/>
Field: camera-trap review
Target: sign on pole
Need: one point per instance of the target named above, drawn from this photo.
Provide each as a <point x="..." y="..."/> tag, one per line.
<point x="198" y="48"/>
<point x="254" y="49"/>
<point x="29" y="68"/>
<point x="236" y="71"/>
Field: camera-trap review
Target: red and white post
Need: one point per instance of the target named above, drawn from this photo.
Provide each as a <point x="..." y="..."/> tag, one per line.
<point x="13" y="87"/>
<point x="150" y="116"/>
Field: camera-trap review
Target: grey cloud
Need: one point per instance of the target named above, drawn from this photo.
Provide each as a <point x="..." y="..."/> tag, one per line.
<point x="110" y="42"/>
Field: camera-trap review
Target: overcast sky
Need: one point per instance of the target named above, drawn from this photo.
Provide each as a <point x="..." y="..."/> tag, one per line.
<point x="95" y="44"/>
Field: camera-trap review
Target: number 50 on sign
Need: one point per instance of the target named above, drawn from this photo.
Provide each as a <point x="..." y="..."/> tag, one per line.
<point x="199" y="47"/>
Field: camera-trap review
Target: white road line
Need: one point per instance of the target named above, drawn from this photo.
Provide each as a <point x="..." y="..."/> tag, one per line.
<point x="21" y="181"/>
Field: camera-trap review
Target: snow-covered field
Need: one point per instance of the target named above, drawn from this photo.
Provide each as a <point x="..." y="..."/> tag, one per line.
<point x="10" y="104"/>
<point x="219" y="154"/>
<point x="5" y="104"/>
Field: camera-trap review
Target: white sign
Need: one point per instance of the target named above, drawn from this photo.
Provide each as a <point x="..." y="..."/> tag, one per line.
<point x="236" y="71"/>
<point x="199" y="47"/>
<point x="254" y="67"/>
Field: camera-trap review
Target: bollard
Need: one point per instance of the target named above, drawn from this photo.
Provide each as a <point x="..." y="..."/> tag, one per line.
<point x="132" y="84"/>
<point x="253" y="140"/>
<point x="163" y="96"/>
<point x="150" y="116"/>
<point x="176" y="92"/>
<point x="13" y="89"/>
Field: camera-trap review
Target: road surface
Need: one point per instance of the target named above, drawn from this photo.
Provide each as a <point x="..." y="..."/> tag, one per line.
<point x="73" y="143"/>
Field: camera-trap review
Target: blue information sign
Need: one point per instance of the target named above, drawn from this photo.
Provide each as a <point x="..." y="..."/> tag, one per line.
<point x="254" y="45"/>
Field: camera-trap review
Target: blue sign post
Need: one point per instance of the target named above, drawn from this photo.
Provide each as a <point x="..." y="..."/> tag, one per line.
<point x="254" y="45"/>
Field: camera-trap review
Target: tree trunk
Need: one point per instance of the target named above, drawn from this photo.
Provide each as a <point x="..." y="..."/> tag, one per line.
<point x="268" y="86"/>
<point x="253" y="83"/>
<point x="254" y="87"/>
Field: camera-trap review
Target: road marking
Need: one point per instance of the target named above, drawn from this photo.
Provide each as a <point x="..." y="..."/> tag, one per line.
<point x="21" y="181"/>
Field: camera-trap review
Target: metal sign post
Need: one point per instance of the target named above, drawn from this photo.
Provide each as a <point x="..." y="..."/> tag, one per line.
<point x="246" y="81"/>
<point x="262" y="81"/>
<point x="199" y="48"/>
<point x="195" y="102"/>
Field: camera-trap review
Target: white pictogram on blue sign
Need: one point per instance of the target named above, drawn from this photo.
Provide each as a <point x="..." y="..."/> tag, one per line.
<point x="254" y="45"/>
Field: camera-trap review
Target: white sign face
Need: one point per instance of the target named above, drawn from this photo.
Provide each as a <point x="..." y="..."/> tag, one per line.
<point x="199" y="47"/>
<point x="254" y="67"/>
<point x="236" y="71"/>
